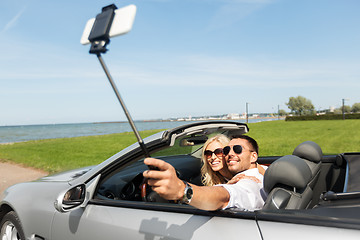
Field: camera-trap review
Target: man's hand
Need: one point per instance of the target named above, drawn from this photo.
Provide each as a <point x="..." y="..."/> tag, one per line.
<point x="164" y="181"/>
<point x="238" y="177"/>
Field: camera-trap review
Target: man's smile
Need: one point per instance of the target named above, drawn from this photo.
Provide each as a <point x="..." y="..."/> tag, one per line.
<point x="233" y="160"/>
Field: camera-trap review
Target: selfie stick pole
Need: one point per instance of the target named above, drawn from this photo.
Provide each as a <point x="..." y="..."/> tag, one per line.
<point x="139" y="139"/>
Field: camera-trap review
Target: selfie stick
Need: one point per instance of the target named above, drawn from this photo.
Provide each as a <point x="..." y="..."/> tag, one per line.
<point x="99" y="37"/>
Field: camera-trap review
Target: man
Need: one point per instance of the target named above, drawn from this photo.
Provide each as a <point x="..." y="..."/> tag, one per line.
<point x="241" y="155"/>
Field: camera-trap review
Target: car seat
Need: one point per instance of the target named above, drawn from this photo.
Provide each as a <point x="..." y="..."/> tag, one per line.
<point x="290" y="180"/>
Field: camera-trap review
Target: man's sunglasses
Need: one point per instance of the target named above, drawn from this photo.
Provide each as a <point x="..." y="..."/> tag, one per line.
<point x="218" y="152"/>
<point x="237" y="149"/>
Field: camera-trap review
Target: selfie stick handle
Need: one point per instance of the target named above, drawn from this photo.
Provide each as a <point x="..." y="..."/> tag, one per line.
<point x="140" y="141"/>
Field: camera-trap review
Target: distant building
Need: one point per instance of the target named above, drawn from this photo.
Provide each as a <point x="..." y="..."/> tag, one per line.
<point x="233" y="116"/>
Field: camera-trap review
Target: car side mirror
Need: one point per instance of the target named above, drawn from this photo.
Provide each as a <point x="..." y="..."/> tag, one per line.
<point x="77" y="196"/>
<point x="71" y="199"/>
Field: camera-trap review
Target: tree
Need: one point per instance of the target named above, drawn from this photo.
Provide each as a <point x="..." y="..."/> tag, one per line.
<point x="355" y="107"/>
<point x="300" y="106"/>
<point x="282" y="112"/>
<point x="337" y="111"/>
<point x="347" y="109"/>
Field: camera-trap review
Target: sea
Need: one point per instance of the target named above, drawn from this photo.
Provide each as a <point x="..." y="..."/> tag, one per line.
<point x="21" y="133"/>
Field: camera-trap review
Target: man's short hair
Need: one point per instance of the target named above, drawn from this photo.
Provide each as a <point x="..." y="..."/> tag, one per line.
<point x="252" y="142"/>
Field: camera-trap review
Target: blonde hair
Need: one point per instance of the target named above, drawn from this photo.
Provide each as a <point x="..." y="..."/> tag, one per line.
<point x="208" y="176"/>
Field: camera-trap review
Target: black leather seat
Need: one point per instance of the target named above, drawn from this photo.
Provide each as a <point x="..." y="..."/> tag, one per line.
<point x="291" y="179"/>
<point x="312" y="153"/>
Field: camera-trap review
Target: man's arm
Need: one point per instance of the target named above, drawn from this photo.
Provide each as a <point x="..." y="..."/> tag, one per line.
<point x="165" y="182"/>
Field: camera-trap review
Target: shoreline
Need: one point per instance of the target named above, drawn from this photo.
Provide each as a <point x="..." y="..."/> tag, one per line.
<point x="18" y="134"/>
<point x="146" y="120"/>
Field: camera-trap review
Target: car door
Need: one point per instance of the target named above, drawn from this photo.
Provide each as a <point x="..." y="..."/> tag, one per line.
<point x="139" y="220"/>
<point x="116" y="210"/>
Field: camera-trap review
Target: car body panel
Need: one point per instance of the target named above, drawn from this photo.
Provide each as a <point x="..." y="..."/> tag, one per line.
<point x="276" y="230"/>
<point x="98" y="221"/>
<point x="33" y="202"/>
<point x="66" y="176"/>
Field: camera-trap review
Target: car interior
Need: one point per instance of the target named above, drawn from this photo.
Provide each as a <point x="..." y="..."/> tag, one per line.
<point x="304" y="180"/>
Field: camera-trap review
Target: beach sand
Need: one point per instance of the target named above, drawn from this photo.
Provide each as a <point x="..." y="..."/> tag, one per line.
<point x="11" y="174"/>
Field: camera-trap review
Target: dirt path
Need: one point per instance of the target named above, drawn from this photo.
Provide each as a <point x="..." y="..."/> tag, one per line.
<point x="11" y="174"/>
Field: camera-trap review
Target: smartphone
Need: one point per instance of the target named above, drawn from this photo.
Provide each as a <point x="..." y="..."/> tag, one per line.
<point x="122" y="23"/>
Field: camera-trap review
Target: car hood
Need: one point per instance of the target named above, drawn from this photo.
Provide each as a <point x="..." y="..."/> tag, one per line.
<point x="66" y="176"/>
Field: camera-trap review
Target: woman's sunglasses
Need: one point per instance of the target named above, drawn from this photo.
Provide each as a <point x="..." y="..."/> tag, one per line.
<point x="218" y="152"/>
<point x="237" y="149"/>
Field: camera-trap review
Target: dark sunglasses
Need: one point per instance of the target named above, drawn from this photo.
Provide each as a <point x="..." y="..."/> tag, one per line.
<point x="237" y="149"/>
<point x="218" y="152"/>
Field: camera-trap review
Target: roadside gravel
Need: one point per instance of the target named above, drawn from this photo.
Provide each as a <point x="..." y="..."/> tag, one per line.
<point x="11" y="174"/>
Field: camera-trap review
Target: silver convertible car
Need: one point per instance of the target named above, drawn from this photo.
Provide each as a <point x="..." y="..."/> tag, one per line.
<point x="310" y="196"/>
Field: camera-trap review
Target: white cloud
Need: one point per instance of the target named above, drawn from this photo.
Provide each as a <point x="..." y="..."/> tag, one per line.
<point x="234" y="10"/>
<point x="201" y="70"/>
<point x="14" y="20"/>
<point x="58" y="63"/>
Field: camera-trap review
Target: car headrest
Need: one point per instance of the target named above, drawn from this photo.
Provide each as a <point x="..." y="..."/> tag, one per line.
<point x="309" y="150"/>
<point x="288" y="170"/>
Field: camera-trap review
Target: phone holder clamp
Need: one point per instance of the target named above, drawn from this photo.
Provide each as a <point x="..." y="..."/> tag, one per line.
<point x="99" y="35"/>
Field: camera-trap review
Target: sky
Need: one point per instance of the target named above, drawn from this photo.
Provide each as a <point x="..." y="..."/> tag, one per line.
<point x="182" y="58"/>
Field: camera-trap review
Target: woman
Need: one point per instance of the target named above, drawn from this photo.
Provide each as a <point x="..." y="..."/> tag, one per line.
<point x="214" y="169"/>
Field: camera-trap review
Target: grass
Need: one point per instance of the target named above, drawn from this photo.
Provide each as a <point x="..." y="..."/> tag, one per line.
<point x="279" y="138"/>
<point x="54" y="155"/>
<point x="275" y="138"/>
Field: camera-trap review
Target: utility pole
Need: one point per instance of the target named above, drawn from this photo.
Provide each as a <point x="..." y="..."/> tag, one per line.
<point x="343" y="107"/>
<point x="247" y="112"/>
<point x="278" y="112"/>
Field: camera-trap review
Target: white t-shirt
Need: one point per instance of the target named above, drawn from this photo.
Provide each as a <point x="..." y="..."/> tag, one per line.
<point x="246" y="194"/>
